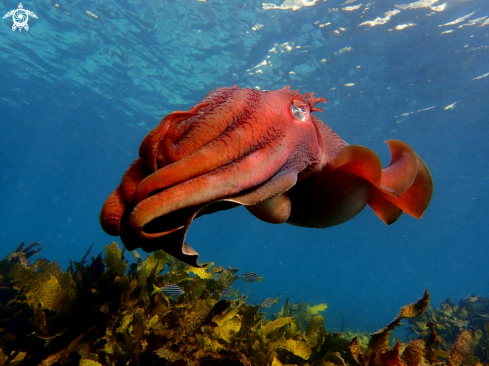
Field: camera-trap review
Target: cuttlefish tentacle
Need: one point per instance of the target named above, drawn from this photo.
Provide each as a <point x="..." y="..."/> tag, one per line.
<point x="112" y="212"/>
<point x="231" y="146"/>
<point x="231" y="180"/>
<point x="121" y="200"/>
<point x="131" y="180"/>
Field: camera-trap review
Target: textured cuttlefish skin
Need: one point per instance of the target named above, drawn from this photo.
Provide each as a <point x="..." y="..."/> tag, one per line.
<point x="266" y="151"/>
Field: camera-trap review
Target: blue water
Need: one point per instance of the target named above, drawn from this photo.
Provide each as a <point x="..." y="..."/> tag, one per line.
<point x="78" y="94"/>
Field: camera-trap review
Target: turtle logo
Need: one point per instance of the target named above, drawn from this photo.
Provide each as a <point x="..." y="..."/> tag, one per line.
<point x="20" y="17"/>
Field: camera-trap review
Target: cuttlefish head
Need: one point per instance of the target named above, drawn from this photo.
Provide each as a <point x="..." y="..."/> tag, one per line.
<point x="236" y="147"/>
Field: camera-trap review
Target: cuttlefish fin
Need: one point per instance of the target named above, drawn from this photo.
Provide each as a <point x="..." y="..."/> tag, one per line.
<point x="405" y="185"/>
<point x="403" y="168"/>
<point x="363" y="162"/>
<point x="386" y="211"/>
<point x="417" y="198"/>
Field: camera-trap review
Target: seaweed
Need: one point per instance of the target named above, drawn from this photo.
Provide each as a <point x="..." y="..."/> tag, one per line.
<point x="456" y="331"/>
<point x="101" y="312"/>
<point x="302" y="312"/>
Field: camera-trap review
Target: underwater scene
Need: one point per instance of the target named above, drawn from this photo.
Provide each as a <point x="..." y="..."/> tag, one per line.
<point x="210" y="182"/>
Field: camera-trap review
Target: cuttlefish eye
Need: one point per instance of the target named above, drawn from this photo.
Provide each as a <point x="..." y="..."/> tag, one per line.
<point x="299" y="109"/>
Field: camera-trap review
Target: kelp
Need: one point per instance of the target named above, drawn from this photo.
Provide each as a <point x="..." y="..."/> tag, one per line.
<point x="101" y="312"/>
<point x="460" y="331"/>
<point x="302" y="312"/>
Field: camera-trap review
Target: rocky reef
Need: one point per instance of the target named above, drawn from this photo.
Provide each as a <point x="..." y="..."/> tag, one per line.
<point x="104" y="311"/>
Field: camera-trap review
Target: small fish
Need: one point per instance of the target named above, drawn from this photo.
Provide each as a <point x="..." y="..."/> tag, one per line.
<point x="216" y="276"/>
<point x="136" y="256"/>
<point x="217" y="269"/>
<point x="269" y="302"/>
<point x="228" y="292"/>
<point x="170" y="290"/>
<point x="285" y="308"/>
<point x="251" y="277"/>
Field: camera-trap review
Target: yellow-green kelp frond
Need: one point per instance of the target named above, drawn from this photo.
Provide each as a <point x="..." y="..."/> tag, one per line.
<point x="100" y="313"/>
<point x="302" y="312"/>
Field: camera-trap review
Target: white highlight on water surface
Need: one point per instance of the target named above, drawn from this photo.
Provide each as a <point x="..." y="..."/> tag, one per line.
<point x="474" y="22"/>
<point x="289" y="5"/>
<point x="351" y="8"/>
<point x="458" y="20"/>
<point x="481" y="77"/>
<point x="426" y="109"/>
<point x="439" y="7"/>
<point x="407" y="114"/>
<point x="450" y="106"/>
<point x="344" y="49"/>
<point x="90" y="14"/>
<point x="281" y="47"/>
<point x="417" y="4"/>
<point x="263" y="63"/>
<point x="402" y="26"/>
<point x="379" y="20"/>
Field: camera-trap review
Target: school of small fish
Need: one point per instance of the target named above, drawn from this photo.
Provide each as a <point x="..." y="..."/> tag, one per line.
<point x="173" y="290"/>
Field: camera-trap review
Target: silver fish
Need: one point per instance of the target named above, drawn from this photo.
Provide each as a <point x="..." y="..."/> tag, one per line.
<point x="269" y="302"/>
<point x="170" y="290"/>
<point x="136" y="256"/>
<point x="251" y="277"/>
<point x="228" y="292"/>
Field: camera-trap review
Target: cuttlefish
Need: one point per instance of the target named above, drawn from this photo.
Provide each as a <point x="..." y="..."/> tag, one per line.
<point x="264" y="150"/>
